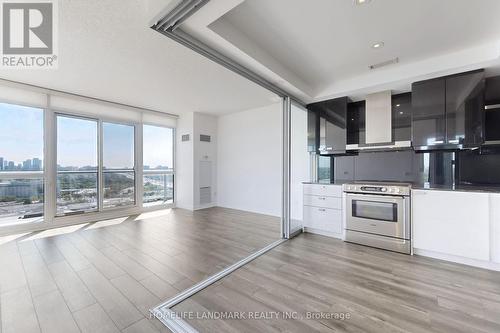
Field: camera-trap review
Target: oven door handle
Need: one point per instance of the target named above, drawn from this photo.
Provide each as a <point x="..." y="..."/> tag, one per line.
<point x="379" y="198"/>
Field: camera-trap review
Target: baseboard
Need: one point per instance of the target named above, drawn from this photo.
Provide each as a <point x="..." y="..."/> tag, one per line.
<point x="205" y="206"/>
<point x="323" y="233"/>
<point x="459" y="260"/>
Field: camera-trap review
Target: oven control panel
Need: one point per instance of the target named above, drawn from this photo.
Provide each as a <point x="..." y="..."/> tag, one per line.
<point x="399" y="189"/>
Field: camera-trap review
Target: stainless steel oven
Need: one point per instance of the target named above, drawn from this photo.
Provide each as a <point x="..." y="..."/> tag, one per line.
<point x="378" y="215"/>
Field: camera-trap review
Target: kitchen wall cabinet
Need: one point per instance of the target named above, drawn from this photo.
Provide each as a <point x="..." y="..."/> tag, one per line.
<point x="401" y="117"/>
<point x="465" y="108"/>
<point x="448" y="111"/>
<point x="492" y="90"/>
<point x="356" y="115"/>
<point x="332" y="125"/>
<point x="452" y="223"/>
<point x="323" y="211"/>
<point x="428" y="112"/>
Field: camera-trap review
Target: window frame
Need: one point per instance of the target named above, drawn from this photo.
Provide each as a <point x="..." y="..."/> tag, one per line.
<point x="49" y="173"/>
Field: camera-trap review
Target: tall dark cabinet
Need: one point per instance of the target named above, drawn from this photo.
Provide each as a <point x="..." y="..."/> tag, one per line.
<point x="464" y="109"/>
<point x="448" y="112"/>
<point x="428" y="112"/>
<point x="332" y="125"/>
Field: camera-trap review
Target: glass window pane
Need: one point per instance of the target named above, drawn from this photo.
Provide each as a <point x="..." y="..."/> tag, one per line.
<point x="21" y="138"/>
<point x="158" y="189"/>
<point x="158" y="151"/>
<point x="76" y="144"/>
<point x="21" y="201"/>
<point x="119" y="189"/>
<point x="76" y="193"/>
<point x="118" y="146"/>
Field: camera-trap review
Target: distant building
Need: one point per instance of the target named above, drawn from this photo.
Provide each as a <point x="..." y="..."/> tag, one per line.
<point x="27" y="165"/>
<point x="11" y="165"/>
<point x="1" y="163"/>
<point x="37" y="164"/>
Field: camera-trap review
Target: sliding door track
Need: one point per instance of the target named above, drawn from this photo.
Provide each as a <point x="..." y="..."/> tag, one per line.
<point x="168" y="317"/>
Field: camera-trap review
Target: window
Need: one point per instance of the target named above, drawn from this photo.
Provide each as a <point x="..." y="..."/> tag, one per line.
<point x="21" y="164"/>
<point x="77" y="165"/>
<point x="158" y="161"/>
<point x="118" y="165"/>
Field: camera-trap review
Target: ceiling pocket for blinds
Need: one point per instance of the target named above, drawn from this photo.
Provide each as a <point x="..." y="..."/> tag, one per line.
<point x="89" y="107"/>
<point x="14" y="93"/>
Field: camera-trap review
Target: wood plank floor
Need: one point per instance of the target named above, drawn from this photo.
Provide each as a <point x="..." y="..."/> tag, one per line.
<point x="105" y="276"/>
<point x="380" y="291"/>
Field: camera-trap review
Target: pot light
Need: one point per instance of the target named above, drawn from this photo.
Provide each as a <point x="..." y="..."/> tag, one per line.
<point x="398" y="105"/>
<point x="400" y="112"/>
<point x="361" y="2"/>
<point x="378" y="45"/>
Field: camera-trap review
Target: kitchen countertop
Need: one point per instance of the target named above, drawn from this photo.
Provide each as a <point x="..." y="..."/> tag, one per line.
<point x="457" y="188"/>
<point x="338" y="182"/>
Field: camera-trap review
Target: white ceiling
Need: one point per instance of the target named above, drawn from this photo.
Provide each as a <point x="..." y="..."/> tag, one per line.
<point x="313" y="49"/>
<point x="322" y="48"/>
<point x="108" y="51"/>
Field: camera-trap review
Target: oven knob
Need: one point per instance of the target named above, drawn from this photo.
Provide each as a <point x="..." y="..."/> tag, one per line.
<point x="396" y="190"/>
<point x="390" y="190"/>
<point x="383" y="189"/>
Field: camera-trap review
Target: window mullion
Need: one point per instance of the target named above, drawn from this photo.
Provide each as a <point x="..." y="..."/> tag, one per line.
<point x="100" y="175"/>
<point x="50" y="163"/>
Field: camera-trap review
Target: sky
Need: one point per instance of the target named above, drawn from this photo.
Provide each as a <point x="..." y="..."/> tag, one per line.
<point x="21" y="138"/>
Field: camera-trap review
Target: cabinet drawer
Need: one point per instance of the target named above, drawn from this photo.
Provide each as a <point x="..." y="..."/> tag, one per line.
<point x="323" y="201"/>
<point x="323" y="219"/>
<point x="323" y="190"/>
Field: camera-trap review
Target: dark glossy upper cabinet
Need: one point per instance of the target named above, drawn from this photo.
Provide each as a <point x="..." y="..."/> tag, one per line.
<point x="464" y="109"/>
<point x="332" y="125"/>
<point x="428" y="112"/>
<point x="401" y="117"/>
<point x="448" y="112"/>
<point x="492" y="111"/>
<point x="356" y="123"/>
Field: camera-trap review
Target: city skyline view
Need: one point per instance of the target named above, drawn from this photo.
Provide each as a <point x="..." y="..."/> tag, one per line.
<point x="21" y="135"/>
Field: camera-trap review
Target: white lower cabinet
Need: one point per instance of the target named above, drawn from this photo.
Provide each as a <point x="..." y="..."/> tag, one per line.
<point x="323" y="209"/>
<point x="452" y="223"/>
<point x="495" y="227"/>
<point x="326" y="219"/>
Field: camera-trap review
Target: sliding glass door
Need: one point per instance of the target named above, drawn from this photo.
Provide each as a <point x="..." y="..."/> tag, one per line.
<point x="118" y="165"/>
<point x="77" y="165"/>
<point x="95" y="165"/>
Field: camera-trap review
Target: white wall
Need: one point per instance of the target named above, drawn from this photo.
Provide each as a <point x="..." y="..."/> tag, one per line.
<point x="249" y="160"/>
<point x="207" y="152"/>
<point x="184" y="163"/>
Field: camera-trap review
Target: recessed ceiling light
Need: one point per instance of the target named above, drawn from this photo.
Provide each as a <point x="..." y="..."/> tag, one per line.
<point x="400" y="112"/>
<point x="361" y="2"/>
<point x="378" y="45"/>
<point x="398" y="105"/>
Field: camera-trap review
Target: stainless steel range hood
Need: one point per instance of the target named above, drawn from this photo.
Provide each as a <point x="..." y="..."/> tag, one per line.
<point x="379" y="124"/>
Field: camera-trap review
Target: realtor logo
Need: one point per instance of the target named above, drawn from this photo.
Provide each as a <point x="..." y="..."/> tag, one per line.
<point x="28" y="34"/>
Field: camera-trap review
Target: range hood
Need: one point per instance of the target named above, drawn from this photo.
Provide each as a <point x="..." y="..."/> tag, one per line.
<point x="379" y="124"/>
